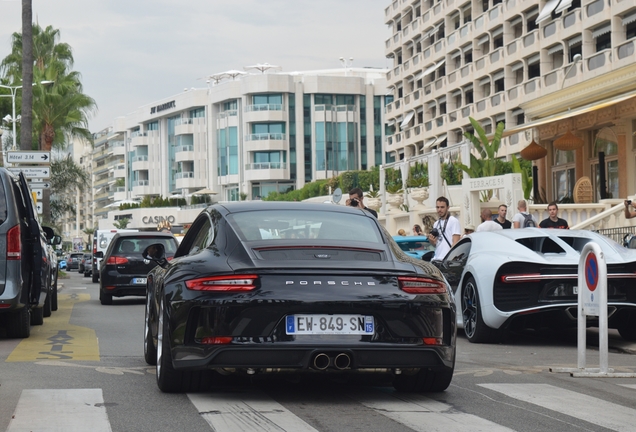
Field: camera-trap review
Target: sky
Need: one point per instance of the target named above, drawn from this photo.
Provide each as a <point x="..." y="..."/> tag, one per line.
<point x="131" y="53"/>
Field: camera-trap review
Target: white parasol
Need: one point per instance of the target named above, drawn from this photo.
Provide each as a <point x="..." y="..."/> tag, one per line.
<point x="263" y="67"/>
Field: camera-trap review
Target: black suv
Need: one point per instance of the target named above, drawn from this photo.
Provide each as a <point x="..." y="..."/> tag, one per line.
<point x="123" y="271"/>
<point x="25" y="268"/>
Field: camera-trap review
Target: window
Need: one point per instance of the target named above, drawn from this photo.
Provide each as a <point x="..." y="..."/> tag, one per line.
<point x="516" y="26"/>
<point x="605" y="142"/>
<point x="469" y="95"/>
<point x="630" y="30"/>
<point x="267" y="99"/>
<point x="574" y="47"/>
<point x="602" y="37"/>
<point x="563" y="174"/>
<point x="534" y="67"/>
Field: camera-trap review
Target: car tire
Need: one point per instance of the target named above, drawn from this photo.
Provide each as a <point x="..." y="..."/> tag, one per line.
<point x="424" y="381"/>
<point x="19" y="324"/>
<point x="37" y="316"/>
<point x="170" y="380"/>
<point x="105" y="299"/>
<point x="150" y="349"/>
<point x="627" y="327"/>
<point x="54" y="296"/>
<point x="475" y="329"/>
<point x="95" y="277"/>
<point x="46" y="309"/>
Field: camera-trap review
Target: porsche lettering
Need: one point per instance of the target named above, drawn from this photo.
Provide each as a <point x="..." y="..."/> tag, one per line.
<point x="344" y="283"/>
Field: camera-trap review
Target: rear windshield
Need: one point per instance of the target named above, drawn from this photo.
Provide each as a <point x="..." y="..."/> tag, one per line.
<point x="137" y="245"/>
<point x="408" y="246"/>
<point x="304" y="224"/>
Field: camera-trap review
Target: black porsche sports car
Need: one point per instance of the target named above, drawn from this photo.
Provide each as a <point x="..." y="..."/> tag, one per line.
<point x="263" y="287"/>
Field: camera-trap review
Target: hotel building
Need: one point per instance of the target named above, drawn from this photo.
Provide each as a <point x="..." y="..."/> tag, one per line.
<point x="544" y="68"/>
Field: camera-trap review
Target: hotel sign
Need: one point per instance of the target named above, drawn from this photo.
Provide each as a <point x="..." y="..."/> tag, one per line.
<point x="162" y="107"/>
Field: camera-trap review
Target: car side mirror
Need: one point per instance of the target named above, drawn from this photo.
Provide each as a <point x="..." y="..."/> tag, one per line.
<point x="99" y="254"/>
<point x="156" y="252"/>
<point x="428" y="256"/>
<point x="56" y="240"/>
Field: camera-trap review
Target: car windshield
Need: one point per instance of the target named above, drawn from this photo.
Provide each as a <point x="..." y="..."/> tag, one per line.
<point x="304" y="224"/>
<point x="415" y="246"/>
<point x="137" y="245"/>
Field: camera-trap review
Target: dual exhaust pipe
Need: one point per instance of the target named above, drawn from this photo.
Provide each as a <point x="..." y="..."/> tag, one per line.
<point x="341" y="361"/>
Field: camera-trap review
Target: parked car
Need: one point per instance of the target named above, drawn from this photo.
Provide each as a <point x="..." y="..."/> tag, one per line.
<point x="85" y="264"/>
<point x="54" y="273"/>
<point x="416" y="246"/>
<point x="101" y="240"/>
<point x="123" y="269"/>
<point x="62" y="264"/>
<point x="527" y="278"/>
<point x="241" y="296"/>
<point x="25" y="271"/>
<point x="73" y="261"/>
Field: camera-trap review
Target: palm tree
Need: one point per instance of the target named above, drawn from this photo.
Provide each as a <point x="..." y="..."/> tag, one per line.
<point x="66" y="178"/>
<point x="26" y="129"/>
<point x="60" y="111"/>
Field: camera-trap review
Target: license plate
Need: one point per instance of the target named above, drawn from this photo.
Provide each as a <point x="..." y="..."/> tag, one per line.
<point x="575" y="289"/>
<point x="139" y="281"/>
<point x="329" y="324"/>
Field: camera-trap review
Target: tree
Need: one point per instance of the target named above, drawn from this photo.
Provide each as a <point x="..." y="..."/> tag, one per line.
<point x="66" y="179"/>
<point x="26" y="129"/>
<point x="121" y="223"/>
<point x="61" y="110"/>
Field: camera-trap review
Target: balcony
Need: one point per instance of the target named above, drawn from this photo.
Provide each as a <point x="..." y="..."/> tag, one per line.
<point x="265" y="141"/>
<point x="184" y="126"/>
<point x="186" y="179"/>
<point x="139" y="139"/>
<point x="141" y="187"/>
<point x="625" y="53"/>
<point x="266" y="171"/>
<point x="184" y="153"/>
<point x="118" y="148"/>
<point x="140" y="163"/>
<point x="265" y="112"/>
<point x="120" y="171"/>
<point x="599" y="60"/>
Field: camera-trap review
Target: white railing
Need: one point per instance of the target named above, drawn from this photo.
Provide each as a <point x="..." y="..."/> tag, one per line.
<point x="266" y="136"/>
<point x="264" y="107"/>
<point x="183" y="148"/>
<point x="183" y="120"/>
<point x="140" y="159"/>
<point x="185" y="174"/>
<point x="266" y="165"/>
<point x="141" y="183"/>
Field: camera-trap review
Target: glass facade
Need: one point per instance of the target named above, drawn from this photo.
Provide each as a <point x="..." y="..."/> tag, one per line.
<point x="173" y="167"/>
<point x="307" y="137"/>
<point x="363" y="133"/>
<point x="292" y="136"/>
<point x="197" y="112"/>
<point x="377" y="129"/>
<point x="227" y="154"/>
<point x="267" y="99"/>
<point x="152" y="126"/>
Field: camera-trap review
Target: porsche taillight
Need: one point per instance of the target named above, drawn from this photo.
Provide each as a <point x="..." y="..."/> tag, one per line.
<point x="421" y="285"/>
<point x="223" y="283"/>
<point x="14" y="248"/>
<point x="117" y="260"/>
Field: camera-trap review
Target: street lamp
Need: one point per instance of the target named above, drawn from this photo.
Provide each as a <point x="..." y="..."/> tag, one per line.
<point x="346" y="63"/>
<point x="575" y="60"/>
<point x="14" y="119"/>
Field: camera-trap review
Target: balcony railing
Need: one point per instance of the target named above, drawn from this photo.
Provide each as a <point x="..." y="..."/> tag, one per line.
<point x="184" y="148"/>
<point x="264" y="107"/>
<point x="184" y="174"/>
<point x="266" y="165"/>
<point x="140" y="159"/>
<point x="141" y="183"/>
<point x="228" y="113"/>
<point x="183" y="120"/>
<point x="138" y="133"/>
<point x="266" y="136"/>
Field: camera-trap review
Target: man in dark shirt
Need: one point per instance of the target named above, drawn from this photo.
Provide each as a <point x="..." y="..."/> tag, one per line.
<point x="501" y="218"/>
<point x="554" y="221"/>
<point x="356" y="197"/>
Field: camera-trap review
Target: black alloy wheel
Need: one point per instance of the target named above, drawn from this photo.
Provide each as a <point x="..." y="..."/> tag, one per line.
<point x="474" y="327"/>
<point x="150" y="349"/>
<point x="104" y="299"/>
<point x="37" y="316"/>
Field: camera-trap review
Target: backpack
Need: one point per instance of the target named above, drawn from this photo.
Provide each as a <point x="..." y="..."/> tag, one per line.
<point x="528" y="221"/>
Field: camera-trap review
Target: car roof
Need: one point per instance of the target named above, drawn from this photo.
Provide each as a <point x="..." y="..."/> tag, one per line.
<point x="242" y="206"/>
<point x="143" y="234"/>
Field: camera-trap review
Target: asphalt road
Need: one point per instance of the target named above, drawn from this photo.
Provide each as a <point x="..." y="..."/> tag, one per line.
<point x="84" y="370"/>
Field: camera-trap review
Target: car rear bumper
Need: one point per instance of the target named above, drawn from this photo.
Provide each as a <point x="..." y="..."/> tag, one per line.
<point x="306" y="358"/>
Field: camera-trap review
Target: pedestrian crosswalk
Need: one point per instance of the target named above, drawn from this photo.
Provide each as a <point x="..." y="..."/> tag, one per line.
<point x="251" y="409"/>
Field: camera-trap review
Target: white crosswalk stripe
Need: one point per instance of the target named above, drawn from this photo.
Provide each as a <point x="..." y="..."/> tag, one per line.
<point x="605" y="414"/>
<point x="423" y="414"/>
<point x="633" y="386"/>
<point x="246" y="411"/>
<point x="60" y="410"/>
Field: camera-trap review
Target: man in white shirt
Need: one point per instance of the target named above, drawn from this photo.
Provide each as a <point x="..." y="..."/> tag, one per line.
<point x="487" y="224"/>
<point x="446" y="230"/>
<point x="523" y="219"/>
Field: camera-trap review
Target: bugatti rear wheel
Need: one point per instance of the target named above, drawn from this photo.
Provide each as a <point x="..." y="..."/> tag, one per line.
<point x="474" y="327"/>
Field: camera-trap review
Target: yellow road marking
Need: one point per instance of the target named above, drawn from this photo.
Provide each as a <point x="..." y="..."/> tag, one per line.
<point x="57" y="339"/>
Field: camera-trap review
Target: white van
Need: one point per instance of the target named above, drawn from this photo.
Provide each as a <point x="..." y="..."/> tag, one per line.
<point x="101" y="240"/>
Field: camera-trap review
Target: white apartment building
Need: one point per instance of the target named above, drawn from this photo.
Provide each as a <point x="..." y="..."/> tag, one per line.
<point x="544" y="68"/>
<point x="251" y="134"/>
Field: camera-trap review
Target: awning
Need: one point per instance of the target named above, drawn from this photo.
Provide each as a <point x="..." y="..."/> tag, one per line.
<point x="517" y="112"/>
<point x="563" y="6"/>
<point x="546" y="13"/>
<point x="600" y="31"/>
<point x="498" y="75"/>
<point x="390" y="122"/>
<point x="456" y="54"/>
<point x="467" y="48"/>
<point x="434" y="67"/>
<point x="628" y="19"/>
<point x="534" y="59"/>
<point x="516" y="21"/>
<point x="483" y="39"/>
<point x="516" y="66"/>
<point x="498" y="31"/>
<point x="419" y="76"/>
<point x="117" y="135"/>
<point x="532" y="11"/>
<point x="456" y="93"/>
<point x="390" y="90"/>
<point x="500" y="118"/>
<point x="484" y="81"/>
<point x="432" y="104"/>
<point x="407" y="120"/>
<point x="429" y="143"/>
<point x="555" y="49"/>
<point x="441" y="138"/>
<point x="575" y="41"/>
<point x="571" y="113"/>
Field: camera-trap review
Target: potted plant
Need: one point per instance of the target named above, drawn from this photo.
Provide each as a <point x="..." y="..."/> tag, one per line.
<point x="374" y="201"/>
<point x="395" y="196"/>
